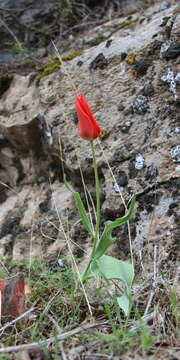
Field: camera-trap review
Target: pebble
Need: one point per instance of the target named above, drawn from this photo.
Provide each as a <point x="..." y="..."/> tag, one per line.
<point x="121" y="107"/>
<point x="177" y="130"/>
<point x="175" y="153"/>
<point x="125" y="127"/>
<point x="139" y="162"/>
<point x="117" y="188"/>
<point x="170" y="49"/>
<point x="140" y="104"/>
<point x="61" y="263"/>
<point x="148" y="90"/>
<point x="122" y="178"/>
<point x="140" y="67"/>
<point x="100" y="62"/>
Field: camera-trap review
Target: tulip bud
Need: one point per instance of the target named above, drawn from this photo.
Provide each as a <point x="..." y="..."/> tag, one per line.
<point x="87" y="126"/>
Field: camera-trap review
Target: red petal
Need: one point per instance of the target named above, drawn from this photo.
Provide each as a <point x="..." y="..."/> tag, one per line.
<point x="87" y="125"/>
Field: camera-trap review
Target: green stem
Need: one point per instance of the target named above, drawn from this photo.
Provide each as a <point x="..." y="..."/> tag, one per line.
<point x="96" y="235"/>
<point x="97" y="196"/>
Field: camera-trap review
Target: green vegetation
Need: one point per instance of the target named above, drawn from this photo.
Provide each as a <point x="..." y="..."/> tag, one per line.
<point x="52" y="291"/>
<point x="71" y="55"/>
<point x="49" y="67"/>
<point x="126" y="23"/>
<point x="17" y="48"/>
<point x="53" y="65"/>
<point x="97" y="40"/>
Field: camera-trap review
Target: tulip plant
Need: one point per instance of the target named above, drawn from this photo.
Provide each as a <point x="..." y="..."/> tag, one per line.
<point x="100" y="264"/>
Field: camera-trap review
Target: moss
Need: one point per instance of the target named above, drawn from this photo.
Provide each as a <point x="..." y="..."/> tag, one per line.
<point x="49" y="67"/>
<point x="97" y="40"/>
<point x="176" y="10"/>
<point x="72" y="55"/>
<point x="104" y="133"/>
<point x="130" y="58"/>
<point x="54" y="64"/>
<point x="127" y="23"/>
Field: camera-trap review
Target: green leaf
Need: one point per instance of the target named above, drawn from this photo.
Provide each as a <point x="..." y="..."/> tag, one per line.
<point x="80" y="206"/>
<point x="111" y="268"/>
<point x="106" y="238"/>
<point x="124" y="303"/>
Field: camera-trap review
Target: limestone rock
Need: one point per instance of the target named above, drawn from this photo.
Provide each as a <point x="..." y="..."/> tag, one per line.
<point x="39" y="142"/>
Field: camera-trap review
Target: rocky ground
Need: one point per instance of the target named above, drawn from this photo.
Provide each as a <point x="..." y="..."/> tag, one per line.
<point x="131" y="78"/>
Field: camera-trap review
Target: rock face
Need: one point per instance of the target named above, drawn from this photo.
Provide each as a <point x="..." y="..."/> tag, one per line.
<point x="137" y="103"/>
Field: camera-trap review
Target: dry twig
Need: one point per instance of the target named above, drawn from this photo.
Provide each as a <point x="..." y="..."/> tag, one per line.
<point x="61" y="347"/>
<point x="154" y="284"/>
<point x="11" y="33"/>
<point x="38" y="345"/>
<point x="17" y="319"/>
<point x="145" y="319"/>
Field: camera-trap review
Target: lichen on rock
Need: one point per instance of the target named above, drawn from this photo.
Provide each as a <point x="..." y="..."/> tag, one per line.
<point x="173" y="79"/>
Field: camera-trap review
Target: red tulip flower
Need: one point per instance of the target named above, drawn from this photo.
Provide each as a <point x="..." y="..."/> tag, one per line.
<point x="87" y="126"/>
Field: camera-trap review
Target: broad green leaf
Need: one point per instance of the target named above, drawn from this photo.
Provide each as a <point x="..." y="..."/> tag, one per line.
<point x="124" y="303"/>
<point x="106" y="239"/>
<point x="111" y="268"/>
<point x="80" y="206"/>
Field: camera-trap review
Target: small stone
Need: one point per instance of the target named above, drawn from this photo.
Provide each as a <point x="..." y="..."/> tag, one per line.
<point x="122" y="178"/>
<point x="177" y="130"/>
<point x="100" y="62"/>
<point x="173" y="205"/>
<point x="61" y="263"/>
<point x="116" y="187"/>
<point x="140" y="104"/>
<point x="75" y="118"/>
<point x="170" y="50"/>
<point x="78" y="252"/>
<point x="123" y="56"/>
<point x="151" y="173"/>
<point x="79" y="63"/>
<point x="125" y="127"/>
<point x="165" y="19"/>
<point x="148" y="90"/>
<point x="44" y="206"/>
<point x="108" y="43"/>
<point x="175" y="153"/>
<point x="140" y="67"/>
<point x="120" y="107"/>
<point x="139" y="162"/>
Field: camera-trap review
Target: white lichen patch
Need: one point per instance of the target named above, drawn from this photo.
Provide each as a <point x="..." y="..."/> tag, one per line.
<point x="140" y="104"/>
<point x="165" y="47"/>
<point x="173" y="79"/>
<point x="175" y="153"/>
<point x="139" y="162"/>
<point x="117" y="188"/>
<point x="177" y="130"/>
